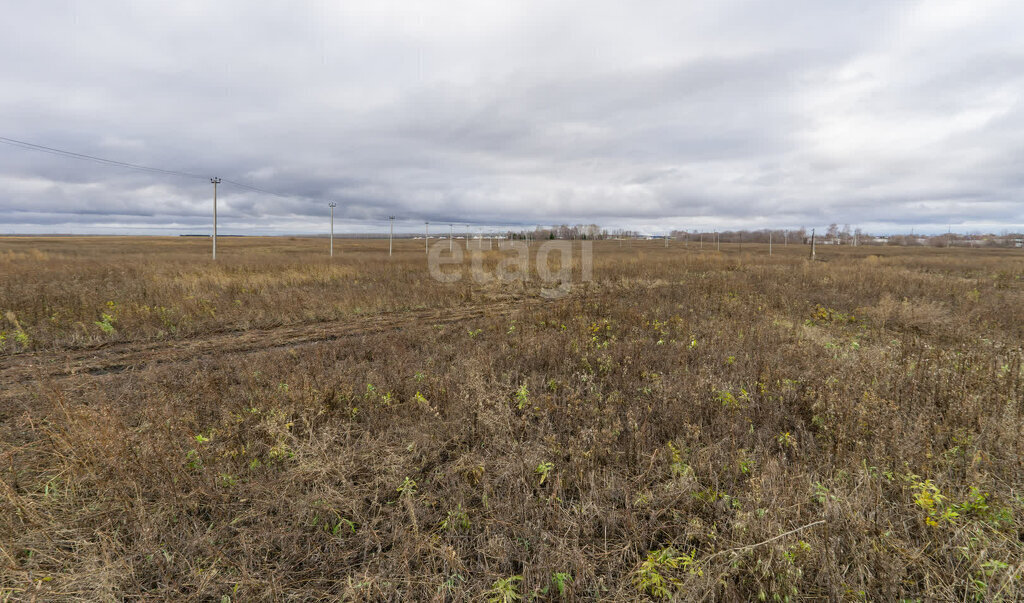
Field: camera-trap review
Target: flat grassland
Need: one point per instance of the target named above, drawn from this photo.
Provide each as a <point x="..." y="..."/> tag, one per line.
<point x="690" y="424"/>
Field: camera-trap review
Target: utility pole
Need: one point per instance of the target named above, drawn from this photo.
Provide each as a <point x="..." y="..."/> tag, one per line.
<point x="718" y="242"/>
<point x="812" y="243"/>
<point x="391" y="235"/>
<point x="332" y="205"/>
<point x="215" y="182"/>
<point x="426" y="238"/>
<point x="769" y="242"/>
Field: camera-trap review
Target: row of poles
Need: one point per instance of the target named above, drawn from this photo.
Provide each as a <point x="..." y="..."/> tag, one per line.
<point x="451" y="232"/>
<point x="451" y="237"/>
<point x="332" y="205"/>
<point x="718" y="242"/>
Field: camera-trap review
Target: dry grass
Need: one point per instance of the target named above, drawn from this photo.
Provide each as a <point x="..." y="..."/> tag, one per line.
<point x="700" y="426"/>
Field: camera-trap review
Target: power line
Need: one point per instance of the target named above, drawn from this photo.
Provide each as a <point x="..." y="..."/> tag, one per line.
<point x="155" y="170"/>
<point x="265" y="191"/>
<point x="135" y="166"/>
<point x="60" y="152"/>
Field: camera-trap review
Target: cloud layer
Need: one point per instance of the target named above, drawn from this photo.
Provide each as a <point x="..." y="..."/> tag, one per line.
<point x="655" y="115"/>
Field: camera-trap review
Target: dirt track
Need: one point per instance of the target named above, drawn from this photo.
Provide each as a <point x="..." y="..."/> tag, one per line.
<point x="119" y="357"/>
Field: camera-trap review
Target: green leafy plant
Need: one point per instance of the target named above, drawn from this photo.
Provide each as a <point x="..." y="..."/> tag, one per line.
<point x="457" y="519"/>
<point x="451" y="583"/>
<point x="822" y="494"/>
<point x="106" y="323"/>
<point x="522" y="397"/>
<point x="657" y="575"/>
<point x="373" y="394"/>
<point x="504" y="590"/>
<point x="561" y="580"/>
<point x="421" y="399"/>
<point x="20" y="336"/>
<point x="678" y="465"/>
<point x="193" y="460"/>
<point x="930" y="499"/>
<point x="108" y="318"/>
<point x="343" y="522"/>
<point x="981" y="583"/>
<point x="786" y="440"/>
<point x="544" y="470"/>
<point x="727" y="400"/>
<point x="746" y="465"/>
<point x="407" y="487"/>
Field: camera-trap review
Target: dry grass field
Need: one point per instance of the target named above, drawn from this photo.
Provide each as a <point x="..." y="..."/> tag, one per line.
<point x="690" y="425"/>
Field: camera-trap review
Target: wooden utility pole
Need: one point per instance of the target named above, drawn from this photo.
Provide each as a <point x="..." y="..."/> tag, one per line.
<point x="391" y="235"/>
<point x="332" y="205"/>
<point x="215" y="182"/>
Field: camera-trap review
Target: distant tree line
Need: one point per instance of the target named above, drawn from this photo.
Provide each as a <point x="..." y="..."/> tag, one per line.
<point x="834" y="234"/>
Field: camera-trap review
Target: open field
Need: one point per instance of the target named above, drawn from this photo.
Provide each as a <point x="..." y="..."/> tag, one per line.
<point x="690" y="424"/>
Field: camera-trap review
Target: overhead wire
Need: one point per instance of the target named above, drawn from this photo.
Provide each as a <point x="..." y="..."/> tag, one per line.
<point x="263" y="190"/>
<point x="145" y="168"/>
<point x="82" y="156"/>
<point x="135" y="166"/>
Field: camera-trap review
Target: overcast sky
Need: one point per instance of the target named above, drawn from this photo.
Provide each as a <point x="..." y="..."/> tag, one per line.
<point x="653" y="115"/>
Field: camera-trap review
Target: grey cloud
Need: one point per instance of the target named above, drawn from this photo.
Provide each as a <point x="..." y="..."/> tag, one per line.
<point x="784" y="114"/>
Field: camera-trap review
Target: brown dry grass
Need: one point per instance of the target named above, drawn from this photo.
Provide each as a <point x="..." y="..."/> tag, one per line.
<point x="733" y="425"/>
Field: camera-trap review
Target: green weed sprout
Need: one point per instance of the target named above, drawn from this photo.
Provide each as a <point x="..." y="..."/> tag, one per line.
<point x="504" y="590"/>
<point x="544" y="470"/>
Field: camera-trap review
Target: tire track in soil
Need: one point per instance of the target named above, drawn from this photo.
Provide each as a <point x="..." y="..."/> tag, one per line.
<point x="121" y="357"/>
